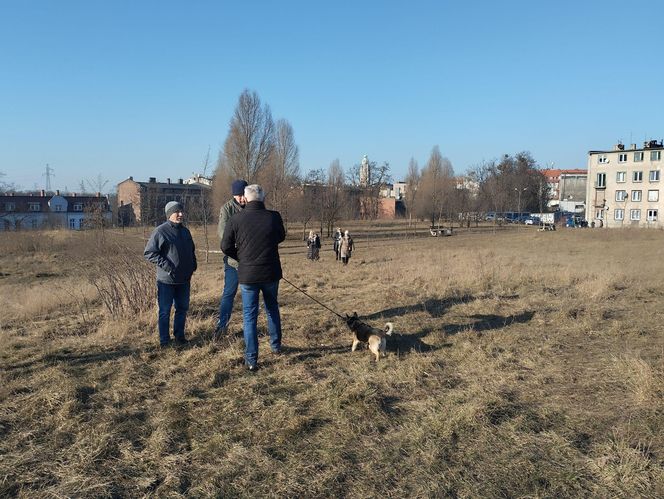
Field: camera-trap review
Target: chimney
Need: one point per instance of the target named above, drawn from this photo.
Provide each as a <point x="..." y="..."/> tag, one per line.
<point x="180" y="181"/>
<point x="98" y="194"/>
<point x="42" y="192"/>
<point x="131" y="178"/>
<point x="57" y="192"/>
<point x="153" y="180"/>
<point x="632" y="146"/>
<point x="73" y="194"/>
<point x="168" y="180"/>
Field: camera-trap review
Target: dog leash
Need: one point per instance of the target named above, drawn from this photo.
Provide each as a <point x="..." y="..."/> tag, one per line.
<point x="314" y="299"/>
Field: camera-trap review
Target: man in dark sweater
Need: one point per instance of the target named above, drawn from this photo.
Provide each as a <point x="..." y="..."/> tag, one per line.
<point x="252" y="237"/>
<point x="172" y="249"/>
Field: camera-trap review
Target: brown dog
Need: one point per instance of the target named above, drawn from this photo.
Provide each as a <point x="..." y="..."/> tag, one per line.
<point x="372" y="336"/>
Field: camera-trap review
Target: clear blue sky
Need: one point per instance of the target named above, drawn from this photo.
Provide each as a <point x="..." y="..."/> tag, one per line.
<point x="143" y="88"/>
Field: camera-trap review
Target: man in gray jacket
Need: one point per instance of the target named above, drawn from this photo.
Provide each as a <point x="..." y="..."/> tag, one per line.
<point x="172" y="249"/>
<point x="235" y="205"/>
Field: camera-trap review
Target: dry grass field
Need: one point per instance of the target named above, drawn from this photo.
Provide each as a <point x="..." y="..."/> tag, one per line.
<point x="524" y="364"/>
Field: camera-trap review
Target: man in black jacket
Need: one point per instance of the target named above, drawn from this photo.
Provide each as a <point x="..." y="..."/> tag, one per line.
<point x="172" y="249"/>
<point x="252" y="237"/>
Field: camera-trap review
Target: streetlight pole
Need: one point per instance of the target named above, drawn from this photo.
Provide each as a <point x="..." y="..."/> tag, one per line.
<point x="519" y="193"/>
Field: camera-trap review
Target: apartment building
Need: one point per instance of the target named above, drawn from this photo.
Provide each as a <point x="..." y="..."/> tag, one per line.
<point x="25" y="211"/>
<point x="567" y="189"/>
<point x="624" y="186"/>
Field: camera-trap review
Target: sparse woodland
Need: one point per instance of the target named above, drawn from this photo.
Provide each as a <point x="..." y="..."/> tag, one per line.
<point x="524" y="364"/>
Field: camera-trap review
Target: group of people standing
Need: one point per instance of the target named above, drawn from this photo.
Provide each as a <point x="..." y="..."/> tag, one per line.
<point x="343" y="245"/>
<point x="250" y="235"/>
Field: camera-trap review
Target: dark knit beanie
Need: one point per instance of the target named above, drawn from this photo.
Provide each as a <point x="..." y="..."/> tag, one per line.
<point x="173" y="207"/>
<point x="237" y="187"/>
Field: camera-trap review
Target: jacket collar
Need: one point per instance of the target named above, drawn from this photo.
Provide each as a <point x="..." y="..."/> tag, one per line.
<point x="255" y="205"/>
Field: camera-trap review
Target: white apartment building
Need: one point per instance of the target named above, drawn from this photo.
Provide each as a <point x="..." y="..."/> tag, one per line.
<point x="625" y="186"/>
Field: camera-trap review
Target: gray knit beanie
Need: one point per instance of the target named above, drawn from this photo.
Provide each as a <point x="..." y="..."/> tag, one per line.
<point x="172" y="207"/>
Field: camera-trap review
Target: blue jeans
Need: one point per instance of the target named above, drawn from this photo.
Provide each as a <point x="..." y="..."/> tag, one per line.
<point x="250" y="292"/>
<point x="227" y="295"/>
<point x="167" y="295"/>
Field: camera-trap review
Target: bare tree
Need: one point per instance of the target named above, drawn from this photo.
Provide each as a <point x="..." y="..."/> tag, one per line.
<point x="5" y="186"/>
<point x="334" y="195"/>
<point x="204" y="202"/>
<point x="311" y="201"/>
<point x="250" y="141"/>
<point x="412" y="186"/>
<point x="436" y="187"/>
<point x="283" y="169"/>
<point x="512" y="184"/>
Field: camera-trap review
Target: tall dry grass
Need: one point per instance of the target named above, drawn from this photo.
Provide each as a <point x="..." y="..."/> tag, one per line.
<point x="524" y="364"/>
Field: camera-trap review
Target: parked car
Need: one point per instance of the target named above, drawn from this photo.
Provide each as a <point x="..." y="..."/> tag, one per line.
<point x="576" y="221"/>
<point x="532" y="221"/>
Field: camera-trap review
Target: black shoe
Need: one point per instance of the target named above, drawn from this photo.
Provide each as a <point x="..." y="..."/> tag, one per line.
<point x="219" y="333"/>
<point x="181" y="341"/>
<point x="252" y="368"/>
<point x="165" y="345"/>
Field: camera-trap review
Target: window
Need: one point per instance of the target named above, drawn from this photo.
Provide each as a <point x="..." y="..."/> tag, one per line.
<point x="621" y="195"/>
<point x="653" y="196"/>
<point x="622" y="158"/>
<point x="635" y="214"/>
<point x="78" y="207"/>
<point x="637" y="176"/>
<point x="601" y="180"/>
<point x="655" y="155"/>
<point x="620" y="176"/>
<point x="58" y="207"/>
<point x="654" y="175"/>
<point x="638" y="156"/>
<point x="619" y="214"/>
<point x="652" y="215"/>
<point x="602" y="159"/>
<point x="34" y="223"/>
<point x="599" y="214"/>
<point x="10" y="206"/>
<point x="72" y="223"/>
<point x="636" y="195"/>
<point x="33" y="206"/>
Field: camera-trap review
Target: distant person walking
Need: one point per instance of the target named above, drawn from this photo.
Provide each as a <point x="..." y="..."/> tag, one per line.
<point x="313" y="246"/>
<point x="252" y="237"/>
<point x="233" y="206"/>
<point x="172" y="249"/>
<point x="346" y="247"/>
<point x="337" y="243"/>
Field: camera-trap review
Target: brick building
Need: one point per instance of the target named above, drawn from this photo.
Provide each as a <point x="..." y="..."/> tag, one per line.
<point x="144" y="202"/>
